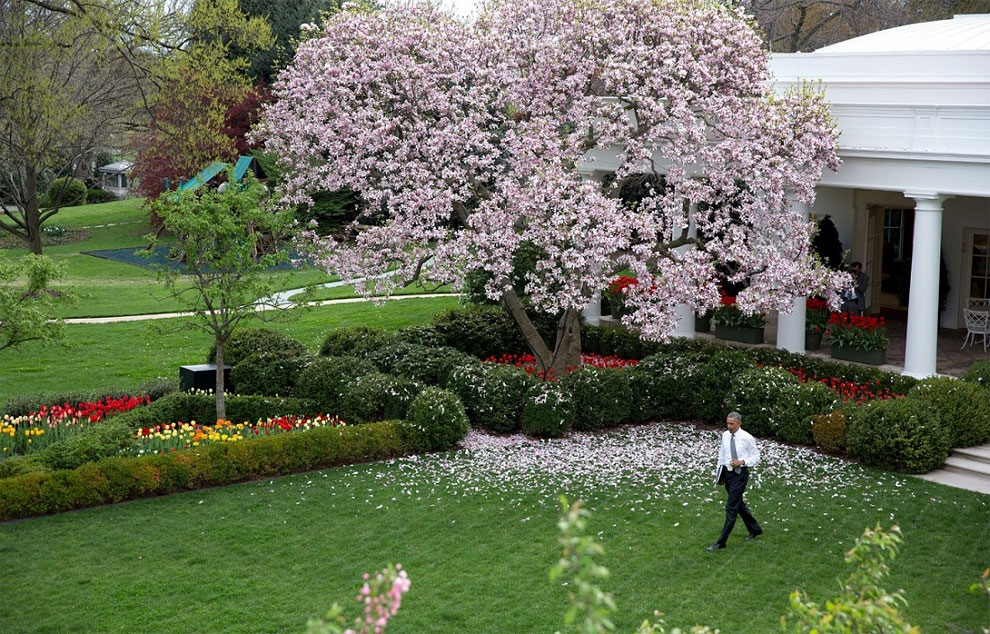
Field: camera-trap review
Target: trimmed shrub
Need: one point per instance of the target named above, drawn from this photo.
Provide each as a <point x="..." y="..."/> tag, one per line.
<point x="421" y="335"/>
<point x="796" y="406"/>
<point x="96" y="195"/>
<point x="901" y="435"/>
<point x="714" y="382"/>
<point x="829" y="431"/>
<point x="109" y="438"/>
<point x="325" y="379"/>
<point x="978" y="373"/>
<point x="420" y="363"/>
<point x="20" y="465"/>
<point x="601" y="397"/>
<point x="377" y="396"/>
<point x="436" y="421"/>
<point x="354" y="341"/>
<point x="479" y="330"/>
<point x="548" y="410"/>
<point x="964" y="407"/>
<point x="755" y="393"/>
<point x="250" y="341"/>
<point x="158" y="387"/>
<point x="116" y="479"/>
<point x="674" y="384"/>
<point x="642" y="406"/>
<point x="268" y="374"/>
<point x="66" y="192"/>
<point x="492" y="394"/>
<point x="623" y="343"/>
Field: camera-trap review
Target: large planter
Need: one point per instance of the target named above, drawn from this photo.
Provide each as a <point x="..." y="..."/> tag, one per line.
<point x="812" y="340"/>
<point x="702" y="323"/>
<point x="870" y="357"/>
<point x="741" y="334"/>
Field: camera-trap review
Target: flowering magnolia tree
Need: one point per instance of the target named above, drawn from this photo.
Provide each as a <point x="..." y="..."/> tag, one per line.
<point x="470" y="140"/>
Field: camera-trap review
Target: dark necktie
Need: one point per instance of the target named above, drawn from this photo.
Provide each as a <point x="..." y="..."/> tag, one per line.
<point x="732" y="451"/>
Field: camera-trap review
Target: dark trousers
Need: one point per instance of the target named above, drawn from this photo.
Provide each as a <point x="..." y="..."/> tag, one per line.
<point x="735" y="485"/>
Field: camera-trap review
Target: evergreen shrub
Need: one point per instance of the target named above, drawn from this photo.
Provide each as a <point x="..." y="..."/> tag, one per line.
<point x="325" y="379"/>
<point x="548" y="410"/>
<point x="674" y="384"/>
<point x="978" y="373"/>
<point x="250" y="341"/>
<point x="602" y="397"/>
<point x="115" y="479"/>
<point x="479" y="330"/>
<point x="829" y="431"/>
<point x="71" y="190"/>
<point x="376" y="396"/>
<point x="96" y="195"/>
<point x="436" y="420"/>
<point x="899" y="435"/>
<point x="755" y="393"/>
<point x="964" y="407"/>
<point x="268" y="374"/>
<point x="421" y="335"/>
<point x="714" y="382"/>
<point x="492" y="394"/>
<point x="421" y="363"/>
<point x="354" y="341"/>
<point x="796" y="406"/>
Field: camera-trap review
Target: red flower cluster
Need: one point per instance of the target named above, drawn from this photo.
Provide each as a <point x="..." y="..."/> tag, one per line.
<point x="93" y="412"/>
<point x="847" y="320"/>
<point x="816" y="303"/>
<point x="528" y="362"/>
<point x="727" y="300"/>
<point x="618" y="286"/>
<point x="847" y="390"/>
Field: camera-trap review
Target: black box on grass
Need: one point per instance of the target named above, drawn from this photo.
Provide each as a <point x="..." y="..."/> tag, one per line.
<point x="201" y="377"/>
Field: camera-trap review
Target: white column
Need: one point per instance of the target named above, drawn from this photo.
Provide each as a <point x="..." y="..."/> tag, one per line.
<point x="593" y="311"/>
<point x="791" y="326"/>
<point x="685" y="314"/>
<point x="921" y="346"/>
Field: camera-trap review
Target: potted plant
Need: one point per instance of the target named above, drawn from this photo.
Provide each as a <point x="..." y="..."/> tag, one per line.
<point x="815" y="322"/>
<point x="617" y="294"/>
<point x="860" y="339"/>
<point x="734" y="325"/>
<point x="703" y="321"/>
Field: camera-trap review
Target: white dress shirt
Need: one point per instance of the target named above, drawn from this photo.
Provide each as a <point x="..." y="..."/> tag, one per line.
<point x="746" y="449"/>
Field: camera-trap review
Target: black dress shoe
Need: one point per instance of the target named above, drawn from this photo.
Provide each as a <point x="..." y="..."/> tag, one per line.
<point x="752" y="536"/>
<point x="716" y="547"/>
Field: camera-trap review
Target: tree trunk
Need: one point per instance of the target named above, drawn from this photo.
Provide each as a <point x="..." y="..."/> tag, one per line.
<point x="567" y="349"/>
<point x="32" y="213"/>
<point x="221" y="404"/>
<point x="566" y="352"/>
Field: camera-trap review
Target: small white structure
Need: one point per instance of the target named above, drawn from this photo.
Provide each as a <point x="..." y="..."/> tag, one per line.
<point x="913" y="107"/>
<point x="115" y="178"/>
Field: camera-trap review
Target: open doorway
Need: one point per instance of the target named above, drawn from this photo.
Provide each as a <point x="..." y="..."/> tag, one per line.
<point x="892" y="245"/>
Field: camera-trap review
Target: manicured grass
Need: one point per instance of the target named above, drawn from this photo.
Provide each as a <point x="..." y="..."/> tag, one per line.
<point x="123" y="354"/>
<point x="476" y="532"/>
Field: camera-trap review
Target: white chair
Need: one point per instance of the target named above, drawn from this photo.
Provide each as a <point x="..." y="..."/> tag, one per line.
<point x="977" y="323"/>
<point x="979" y="303"/>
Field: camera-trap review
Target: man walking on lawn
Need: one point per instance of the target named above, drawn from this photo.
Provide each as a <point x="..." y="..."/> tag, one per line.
<point x="737" y="454"/>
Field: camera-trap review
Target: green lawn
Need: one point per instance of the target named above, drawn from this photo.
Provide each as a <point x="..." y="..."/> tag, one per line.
<point x="123" y="354"/>
<point x="476" y="532"/>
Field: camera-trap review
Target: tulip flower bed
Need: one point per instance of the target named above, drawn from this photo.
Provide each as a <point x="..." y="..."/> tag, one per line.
<point x="849" y="391"/>
<point x="528" y="362"/>
<point x="26" y="434"/>
<point x="171" y="437"/>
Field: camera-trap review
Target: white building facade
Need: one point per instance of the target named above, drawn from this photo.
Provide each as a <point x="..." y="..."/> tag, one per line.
<point x="913" y="108"/>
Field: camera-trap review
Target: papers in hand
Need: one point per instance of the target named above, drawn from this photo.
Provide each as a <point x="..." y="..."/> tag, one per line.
<point x="720" y="474"/>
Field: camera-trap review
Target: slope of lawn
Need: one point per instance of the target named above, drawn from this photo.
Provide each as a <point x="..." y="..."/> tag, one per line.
<point x="121" y="355"/>
<point x="476" y="532"/>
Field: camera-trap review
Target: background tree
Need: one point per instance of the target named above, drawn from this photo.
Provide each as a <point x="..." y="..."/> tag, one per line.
<point x="805" y="25"/>
<point x="27" y="304"/>
<point x="429" y="118"/>
<point x="221" y="238"/>
<point x="65" y="90"/>
<point x="927" y="10"/>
